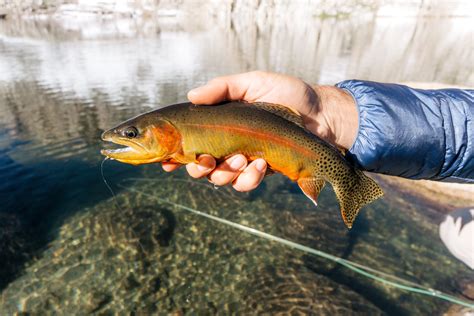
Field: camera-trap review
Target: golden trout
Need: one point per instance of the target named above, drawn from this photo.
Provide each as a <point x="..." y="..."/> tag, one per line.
<point x="181" y="132"/>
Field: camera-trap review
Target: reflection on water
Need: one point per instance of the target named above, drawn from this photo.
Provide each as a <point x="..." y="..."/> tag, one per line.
<point x="59" y="88"/>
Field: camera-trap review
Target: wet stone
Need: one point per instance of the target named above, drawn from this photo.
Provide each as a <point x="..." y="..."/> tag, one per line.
<point x="155" y="284"/>
<point x="467" y="287"/>
<point x="146" y="258"/>
<point x="111" y="253"/>
<point x="95" y="301"/>
<point x="75" y="273"/>
<point x="130" y="283"/>
<point x="33" y="287"/>
<point x="33" y="302"/>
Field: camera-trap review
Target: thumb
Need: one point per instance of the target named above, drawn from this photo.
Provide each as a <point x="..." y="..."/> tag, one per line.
<point x="212" y="92"/>
<point x="220" y="89"/>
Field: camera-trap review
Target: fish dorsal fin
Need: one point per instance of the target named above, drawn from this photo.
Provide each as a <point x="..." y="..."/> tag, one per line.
<point x="281" y="111"/>
<point x="343" y="151"/>
<point x="311" y="187"/>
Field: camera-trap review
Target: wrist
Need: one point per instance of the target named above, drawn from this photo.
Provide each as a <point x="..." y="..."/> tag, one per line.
<point x="334" y="117"/>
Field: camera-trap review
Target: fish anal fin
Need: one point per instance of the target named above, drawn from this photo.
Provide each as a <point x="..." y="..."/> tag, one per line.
<point x="311" y="187"/>
<point x="281" y="111"/>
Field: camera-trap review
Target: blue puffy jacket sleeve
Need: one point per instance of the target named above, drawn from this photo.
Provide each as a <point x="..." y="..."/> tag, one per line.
<point x="413" y="133"/>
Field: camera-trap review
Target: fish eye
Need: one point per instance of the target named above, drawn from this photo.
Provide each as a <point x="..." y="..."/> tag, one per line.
<point x="131" y="132"/>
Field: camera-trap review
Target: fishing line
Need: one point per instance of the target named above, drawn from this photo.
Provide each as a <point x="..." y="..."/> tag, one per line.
<point x="105" y="181"/>
<point x="109" y="187"/>
<point x="356" y="267"/>
<point x="117" y="205"/>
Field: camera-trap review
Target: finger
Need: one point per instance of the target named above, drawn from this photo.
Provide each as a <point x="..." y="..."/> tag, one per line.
<point x="205" y="165"/>
<point x="251" y="177"/>
<point x="234" y="87"/>
<point x="227" y="171"/>
<point x="169" y="166"/>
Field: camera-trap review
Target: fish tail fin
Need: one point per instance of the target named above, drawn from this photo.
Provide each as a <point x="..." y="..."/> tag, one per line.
<point x="355" y="194"/>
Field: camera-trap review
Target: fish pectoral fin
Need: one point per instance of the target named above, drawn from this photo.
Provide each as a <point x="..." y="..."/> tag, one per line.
<point x="311" y="187"/>
<point x="183" y="159"/>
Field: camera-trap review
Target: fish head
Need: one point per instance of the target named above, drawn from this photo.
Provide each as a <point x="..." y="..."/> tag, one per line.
<point x="145" y="139"/>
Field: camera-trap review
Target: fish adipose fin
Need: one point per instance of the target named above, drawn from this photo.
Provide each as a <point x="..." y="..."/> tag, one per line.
<point x="281" y="111"/>
<point x="355" y="194"/>
<point x="311" y="187"/>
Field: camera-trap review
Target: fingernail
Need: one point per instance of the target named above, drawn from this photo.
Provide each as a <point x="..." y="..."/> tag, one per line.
<point x="237" y="163"/>
<point x="260" y="164"/>
<point x="194" y="91"/>
<point x="202" y="165"/>
<point x="202" y="168"/>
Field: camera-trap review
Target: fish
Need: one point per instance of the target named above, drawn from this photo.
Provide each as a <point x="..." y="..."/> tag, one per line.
<point x="179" y="133"/>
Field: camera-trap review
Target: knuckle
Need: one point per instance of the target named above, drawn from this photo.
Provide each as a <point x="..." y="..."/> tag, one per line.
<point x="215" y="80"/>
<point x="259" y="73"/>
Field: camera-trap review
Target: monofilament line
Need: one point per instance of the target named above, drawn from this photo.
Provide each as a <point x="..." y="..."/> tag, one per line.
<point x="107" y="183"/>
<point x="358" y="268"/>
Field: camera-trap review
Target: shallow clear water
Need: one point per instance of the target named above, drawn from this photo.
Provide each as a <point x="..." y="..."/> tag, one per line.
<point x="66" y="246"/>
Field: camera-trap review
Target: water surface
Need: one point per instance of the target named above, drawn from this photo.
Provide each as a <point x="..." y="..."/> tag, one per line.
<point x="70" y="247"/>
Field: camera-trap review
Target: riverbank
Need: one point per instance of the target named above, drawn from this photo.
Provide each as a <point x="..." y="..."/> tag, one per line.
<point x="443" y="196"/>
<point x="255" y="9"/>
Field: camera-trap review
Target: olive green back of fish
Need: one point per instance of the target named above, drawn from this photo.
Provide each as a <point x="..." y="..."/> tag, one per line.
<point x="278" y="136"/>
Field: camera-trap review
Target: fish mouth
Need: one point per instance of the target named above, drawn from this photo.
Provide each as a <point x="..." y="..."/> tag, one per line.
<point x="112" y="153"/>
<point x="130" y="152"/>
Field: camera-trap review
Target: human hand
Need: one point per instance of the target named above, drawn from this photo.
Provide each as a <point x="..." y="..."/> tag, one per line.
<point x="327" y="111"/>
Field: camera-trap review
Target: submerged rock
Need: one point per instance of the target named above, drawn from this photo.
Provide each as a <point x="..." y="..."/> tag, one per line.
<point x="95" y="253"/>
<point x="14" y="247"/>
<point x="148" y="256"/>
<point x="279" y="289"/>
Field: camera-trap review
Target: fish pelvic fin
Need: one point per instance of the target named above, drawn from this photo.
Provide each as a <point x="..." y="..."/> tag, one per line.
<point x="311" y="187"/>
<point x="355" y="194"/>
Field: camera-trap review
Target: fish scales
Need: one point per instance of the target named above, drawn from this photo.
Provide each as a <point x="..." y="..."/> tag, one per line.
<point x="251" y="131"/>
<point x="181" y="132"/>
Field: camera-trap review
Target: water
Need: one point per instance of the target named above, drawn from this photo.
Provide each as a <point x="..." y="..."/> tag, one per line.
<point x="65" y="245"/>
